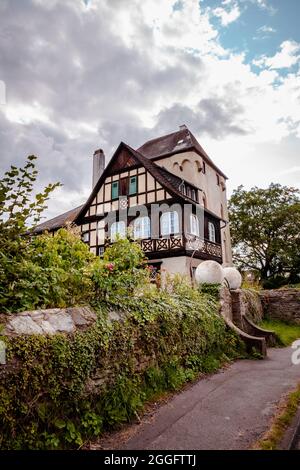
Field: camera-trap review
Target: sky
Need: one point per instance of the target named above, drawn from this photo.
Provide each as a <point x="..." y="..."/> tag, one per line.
<point x="85" y="74"/>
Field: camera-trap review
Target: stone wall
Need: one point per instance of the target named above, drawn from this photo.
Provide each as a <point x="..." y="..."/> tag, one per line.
<point x="240" y="309"/>
<point x="281" y="304"/>
<point x="47" y="322"/>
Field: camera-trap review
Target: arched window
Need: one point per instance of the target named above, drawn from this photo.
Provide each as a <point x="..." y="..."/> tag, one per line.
<point x="194" y="225"/>
<point x="141" y="228"/>
<point x="211" y="232"/>
<point x="117" y="229"/>
<point x="169" y="223"/>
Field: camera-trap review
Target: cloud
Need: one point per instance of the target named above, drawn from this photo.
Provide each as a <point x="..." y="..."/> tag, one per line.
<point x="288" y="171"/>
<point x="266" y="29"/>
<point x="288" y="56"/>
<point x="227" y="15"/>
<point x="79" y="77"/>
<point x="265" y="5"/>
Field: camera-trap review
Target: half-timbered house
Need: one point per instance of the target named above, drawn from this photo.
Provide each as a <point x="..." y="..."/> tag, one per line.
<point x="167" y="194"/>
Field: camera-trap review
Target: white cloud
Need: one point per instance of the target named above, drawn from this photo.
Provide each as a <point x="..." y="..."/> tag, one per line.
<point x="288" y="56"/>
<point x="80" y="78"/>
<point x="266" y="29"/>
<point x="227" y="16"/>
<point x="288" y="171"/>
<point x="265" y="5"/>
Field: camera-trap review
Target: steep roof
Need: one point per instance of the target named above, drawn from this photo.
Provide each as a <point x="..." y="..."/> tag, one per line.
<point x="169" y="181"/>
<point x="59" y="221"/>
<point x="176" y="142"/>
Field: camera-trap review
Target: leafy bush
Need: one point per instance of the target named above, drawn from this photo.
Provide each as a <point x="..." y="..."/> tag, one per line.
<point x="56" y="272"/>
<point x="57" y="392"/>
<point x="67" y="389"/>
<point x="212" y="289"/>
<point x="121" y="271"/>
<point x="19" y="208"/>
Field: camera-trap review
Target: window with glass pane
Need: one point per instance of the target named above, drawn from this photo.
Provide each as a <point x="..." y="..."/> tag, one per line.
<point x="141" y="228"/>
<point x="169" y="223"/>
<point x="211" y="232"/>
<point x="101" y="251"/>
<point x="133" y="185"/>
<point x="86" y="237"/>
<point x="194" y="225"/>
<point x="115" y="190"/>
<point x="117" y="229"/>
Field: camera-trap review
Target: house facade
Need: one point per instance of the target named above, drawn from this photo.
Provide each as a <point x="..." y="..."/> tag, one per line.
<point x="167" y="194"/>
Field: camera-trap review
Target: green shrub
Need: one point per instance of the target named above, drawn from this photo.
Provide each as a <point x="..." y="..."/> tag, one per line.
<point x="64" y="390"/>
<point x="211" y="289"/>
<point x="56" y="272"/>
<point x="121" y="271"/>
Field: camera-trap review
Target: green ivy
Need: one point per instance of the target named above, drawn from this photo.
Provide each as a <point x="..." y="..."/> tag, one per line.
<point x="50" y="394"/>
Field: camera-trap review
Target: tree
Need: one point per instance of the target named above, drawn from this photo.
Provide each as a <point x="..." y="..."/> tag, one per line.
<point x="265" y="230"/>
<point x="19" y="209"/>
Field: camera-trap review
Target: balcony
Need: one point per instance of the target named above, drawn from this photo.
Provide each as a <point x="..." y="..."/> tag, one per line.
<point x="182" y="242"/>
<point x="179" y="243"/>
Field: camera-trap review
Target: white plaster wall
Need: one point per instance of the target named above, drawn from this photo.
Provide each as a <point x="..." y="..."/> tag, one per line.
<point x="179" y="264"/>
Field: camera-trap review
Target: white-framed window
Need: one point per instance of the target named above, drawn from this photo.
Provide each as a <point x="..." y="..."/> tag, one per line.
<point x="211" y="232"/>
<point x="169" y="223"/>
<point x="194" y="225"/>
<point x="141" y="228"/>
<point x="117" y="229"/>
<point x="86" y="237"/>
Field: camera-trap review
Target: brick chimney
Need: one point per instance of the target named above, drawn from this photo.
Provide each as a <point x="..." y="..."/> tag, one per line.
<point x="98" y="165"/>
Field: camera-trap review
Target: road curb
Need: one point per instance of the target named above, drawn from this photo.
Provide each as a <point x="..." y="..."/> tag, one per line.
<point x="291" y="435"/>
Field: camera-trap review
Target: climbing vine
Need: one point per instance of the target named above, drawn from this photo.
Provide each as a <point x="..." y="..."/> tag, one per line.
<point x="60" y="391"/>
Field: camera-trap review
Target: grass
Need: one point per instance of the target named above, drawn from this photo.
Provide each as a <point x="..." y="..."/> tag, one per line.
<point x="286" y="333"/>
<point x="273" y="437"/>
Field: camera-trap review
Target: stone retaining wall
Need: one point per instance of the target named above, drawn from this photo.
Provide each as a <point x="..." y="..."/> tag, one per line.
<point x="47" y="322"/>
<point x="281" y="304"/>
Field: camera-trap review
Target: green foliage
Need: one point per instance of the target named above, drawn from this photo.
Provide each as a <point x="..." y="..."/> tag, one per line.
<point x="287" y="411"/>
<point x="121" y="271"/>
<point x="286" y="333"/>
<point x="56" y="272"/>
<point x="212" y="289"/>
<point x="19" y="207"/>
<point x="58" y="391"/>
<point x="265" y="230"/>
<point x="64" y="390"/>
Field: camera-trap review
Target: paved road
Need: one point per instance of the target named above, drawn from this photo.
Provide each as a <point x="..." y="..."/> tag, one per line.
<point x="229" y="410"/>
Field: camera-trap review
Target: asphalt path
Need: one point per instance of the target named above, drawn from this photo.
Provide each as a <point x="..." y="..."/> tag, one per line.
<point x="227" y="410"/>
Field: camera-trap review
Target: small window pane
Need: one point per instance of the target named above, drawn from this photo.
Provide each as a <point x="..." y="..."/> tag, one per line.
<point x="86" y="237"/>
<point x="118" y="229"/>
<point x="169" y="223"/>
<point x="194" y="222"/>
<point x="115" y="190"/>
<point x="141" y="228"/>
<point x="211" y="232"/>
<point x="133" y="185"/>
